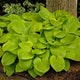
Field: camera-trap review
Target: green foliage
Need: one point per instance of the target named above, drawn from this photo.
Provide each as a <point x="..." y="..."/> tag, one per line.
<point x="14" y="8"/>
<point x="34" y="42"/>
<point x="32" y="7"/>
<point x="19" y="9"/>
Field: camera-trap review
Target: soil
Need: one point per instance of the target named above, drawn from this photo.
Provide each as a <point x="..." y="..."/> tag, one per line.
<point x="72" y="74"/>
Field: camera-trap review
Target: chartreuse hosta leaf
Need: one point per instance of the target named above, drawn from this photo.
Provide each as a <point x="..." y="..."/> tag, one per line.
<point x="34" y="42"/>
<point x="18" y="68"/>
<point x="77" y="32"/>
<point x="27" y="16"/>
<point x="61" y="13"/>
<point x="60" y="51"/>
<point x="17" y="25"/>
<point x="33" y="37"/>
<point x="75" y="43"/>
<point x="57" y="63"/>
<point x="37" y="51"/>
<point x="67" y="64"/>
<point x="32" y="73"/>
<point x="46" y="54"/>
<point x="25" y="54"/>
<point x="55" y="22"/>
<point x="9" y="46"/>
<point x="25" y="64"/>
<point x="1" y="32"/>
<point x="42" y="40"/>
<point x="14" y="38"/>
<point x="4" y="38"/>
<point x="72" y="54"/>
<point x="72" y="25"/>
<point x="15" y="52"/>
<point x="9" y="69"/>
<point x="60" y="34"/>
<point x="47" y="27"/>
<point x="39" y="45"/>
<point x="49" y="36"/>
<point x="41" y="65"/>
<point x="1" y="52"/>
<point x="68" y="39"/>
<point x="2" y="24"/>
<point x="36" y="27"/>
<point x="44" y="13"/>
<point x="8" y="58"/>
<point x="36" y="17"/>
<point x="26" y="44"/>
<point x="38" y="73"/>
<point x="13" y="17"/>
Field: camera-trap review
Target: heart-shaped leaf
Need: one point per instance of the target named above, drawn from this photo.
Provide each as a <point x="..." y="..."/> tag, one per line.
<point x="57" y="63"/>
<point x="41" y="65"/>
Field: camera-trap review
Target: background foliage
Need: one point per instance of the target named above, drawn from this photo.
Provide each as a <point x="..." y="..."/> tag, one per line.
<point x="19" y="7"/>
<point x="2" y="2"/>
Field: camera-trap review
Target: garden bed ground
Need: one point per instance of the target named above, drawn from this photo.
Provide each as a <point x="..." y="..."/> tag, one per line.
<point x="72" y="74"/>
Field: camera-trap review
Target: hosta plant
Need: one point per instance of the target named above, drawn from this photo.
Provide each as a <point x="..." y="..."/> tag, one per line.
<point x="20" y="9"/>
<point x="36" y="42"/>
<point x="13" y="8"/>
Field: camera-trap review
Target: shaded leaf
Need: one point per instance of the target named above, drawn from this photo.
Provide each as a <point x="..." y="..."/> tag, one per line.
<point x="18" y="68"/>
<point x="1" y="52"/>
<point x="9" y="69"/>
<point x="67" y="64"/>
<point x="38" y="73"/>
<point x="32" y="73"/>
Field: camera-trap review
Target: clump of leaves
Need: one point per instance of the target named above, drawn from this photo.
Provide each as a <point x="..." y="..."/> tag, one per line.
<point x="14" y="8"/>
<point x="32" y="7"/>
<point x="19" y="9"/>
<point x="34" y="42"/>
